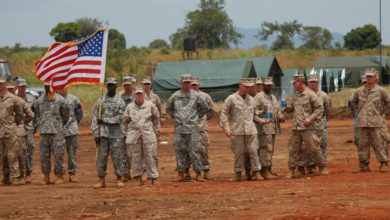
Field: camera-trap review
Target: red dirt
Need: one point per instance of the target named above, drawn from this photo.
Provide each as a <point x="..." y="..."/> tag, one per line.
<point x="342" y="194"/>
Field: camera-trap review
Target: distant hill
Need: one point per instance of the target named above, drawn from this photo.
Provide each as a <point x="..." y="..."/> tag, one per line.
<point x="249" y="40"/>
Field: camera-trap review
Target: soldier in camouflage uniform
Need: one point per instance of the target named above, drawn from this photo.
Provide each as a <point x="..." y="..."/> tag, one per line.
<point x="203" y="126"/>
<point x="52" y="115"/>
<point x="355" y="115"/>
<point x="269" y="128"/>
<point x="307" y="110"/>
<point x="107" y="131"/>
<point x="322" y="124"/>
<point x="71" y="132"/>
<point x="240" y="108"/>
<point x="259" y="84"/>
<point x="128" y="97"/>
<point x="186" y="107"/>
<point x="152" y="97"/>
<point x="21" y="134"/>
<point x="371" y="102"/>
<point x="142" y="122"/>
<point x="11" y="115"/>
<point x="29" y="127"/>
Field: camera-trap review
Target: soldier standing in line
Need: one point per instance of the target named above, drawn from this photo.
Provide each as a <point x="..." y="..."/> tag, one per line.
<point x="185" y="106"/>
<point x="307" y="109"/>
<point x="259" y="84"/>
<point x="128" y="97"/>
<point x="371" y="102"/>
<point x="107" y="131"/>
<point x="267" y="103"/>
<point x="240" y="108"/>
<point x="29" y="127"/>
<point x="11" y="115"/>
<point x="142" y="121"/>
<point x="52" y="115"/>
<point x="71" y="132"/>
<point x="203" y="126"/>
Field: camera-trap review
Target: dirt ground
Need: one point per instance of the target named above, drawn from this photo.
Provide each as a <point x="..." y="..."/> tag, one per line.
<point x="342" y="194"/>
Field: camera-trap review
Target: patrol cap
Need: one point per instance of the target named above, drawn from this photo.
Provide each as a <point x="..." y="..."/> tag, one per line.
<point x="364" y="79"/>
<point x="370" y="72"/>
<point x="268" y="81"/>
<point x="2" y="79"/>
<point x="247" y="81"/>
<point x="297" y="77"/>
<point x="11" y="85"/>
<point x="313" y="78"/>
<point x="127" y="80"/>
<point x="185" y="78"/>
<point x="22" y="82"/>
<point x="111" y="80"/>
<point x="259" y="81"/>
<point x="146" y="80"/>
<point x="133" y="77"/>
<point x="195" y="81"/>
<point x="139" y="89"/>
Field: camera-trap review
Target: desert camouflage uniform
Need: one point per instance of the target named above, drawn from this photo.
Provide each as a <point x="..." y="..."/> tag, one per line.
<point x="267" y="132"/>
<point x="322" y="125"/>
<point x="152" y="97"/>
<point x="370" y="105"/>
<point x="142" y="123"/>
<point x="52" y="114"/>
<point x="126" y="161"/>
<point x="306" y="106"/>
<point x="111" y="134"/>
<point x="29" y="128"/>
<point x="244" y="141"/>
<point x="22" y="135"/>
<point x="11" y="115"/>
<point x="71" y="131"/>
<point x="186" y="109"/>
<point x="203" y="128"/>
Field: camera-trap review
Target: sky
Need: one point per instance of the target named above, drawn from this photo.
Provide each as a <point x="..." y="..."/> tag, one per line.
<point x="29" y="21"/>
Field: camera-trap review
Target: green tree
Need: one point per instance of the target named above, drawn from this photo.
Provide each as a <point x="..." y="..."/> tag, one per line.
<point x="89" y="25"/>
<point x="316" y="37"/>
<point x="284" y="33"/>
<point x="64" y="32"/>
<point x="361" y="38"/>
<point x="158" y="43"/>
<point x="177" y="38"/>
<point x="211" y="26"/>
<point x="116" y="40"/>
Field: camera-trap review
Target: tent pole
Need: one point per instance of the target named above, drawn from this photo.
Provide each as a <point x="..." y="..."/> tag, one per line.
<point x="380" y="34"/>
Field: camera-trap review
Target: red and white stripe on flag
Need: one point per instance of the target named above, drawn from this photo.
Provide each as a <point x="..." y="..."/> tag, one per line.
<point x="76" y="62"/>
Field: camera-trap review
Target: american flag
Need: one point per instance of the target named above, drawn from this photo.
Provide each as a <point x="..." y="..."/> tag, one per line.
<point x="77" y="62"/>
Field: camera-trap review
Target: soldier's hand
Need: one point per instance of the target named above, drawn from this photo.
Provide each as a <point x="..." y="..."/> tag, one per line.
<point x="307" y="122"/>
<point x="97" y="140"/>
<point x="100" y="121"/>
<point x="228" y="134"/>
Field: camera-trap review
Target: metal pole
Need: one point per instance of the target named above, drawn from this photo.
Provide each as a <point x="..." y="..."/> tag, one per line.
<point x="380" y="34"/>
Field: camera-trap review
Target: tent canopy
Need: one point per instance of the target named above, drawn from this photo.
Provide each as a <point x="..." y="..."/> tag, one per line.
<point x="219" y="78"/>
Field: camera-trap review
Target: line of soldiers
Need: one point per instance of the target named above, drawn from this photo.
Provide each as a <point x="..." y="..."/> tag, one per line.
<point x="55" y="116"/>
<point x="251" y="118"/>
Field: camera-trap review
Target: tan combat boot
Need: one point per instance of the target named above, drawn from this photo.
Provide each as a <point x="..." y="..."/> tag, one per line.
<point x="238" y="177"/>
<point x="302" y="171"/>
<point x="266" y="174"/>
<point x="15" y="182"/>
<point x="291" y="173"/>
<point x="46" y="179"/>
<point x="180" y="177"/>
<point x="272" y="172"/>
<point x="187" y="176"/>
<point x="324" y="171"/>
<point x="120" y="183"/>
<point x="28" y="178"/>
<point x="139" y="180"/>
<point x="154" y="181"/>
<point x="59" y="179"/>
<point x="258" y="175"/>
<point x="206" y="175"/>
<point x="363" y="167"/>
<point x="22" y="181"/>
<point x="100" y="184"/>
<point x="72" y="178"/>
<point x="383" y="168"/>
<point x="199" y="177"/>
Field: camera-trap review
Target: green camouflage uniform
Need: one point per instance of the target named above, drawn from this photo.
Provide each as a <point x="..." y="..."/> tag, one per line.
<point x="52" y="115"/>
<point x="126" y="161"/>
<point x="111" y="134"/>
<point x="186" y="108"/>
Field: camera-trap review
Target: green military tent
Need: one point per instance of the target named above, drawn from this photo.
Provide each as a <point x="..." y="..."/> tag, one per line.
<point x="347" y="71"/>
<point x="269" y="66"/>
<point x="219" y="78"/>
